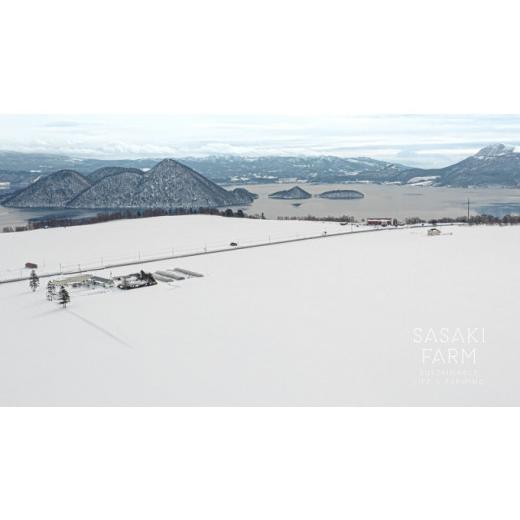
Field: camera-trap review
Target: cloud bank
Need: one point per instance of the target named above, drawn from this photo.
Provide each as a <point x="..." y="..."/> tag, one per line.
<point x="413" y="140"/>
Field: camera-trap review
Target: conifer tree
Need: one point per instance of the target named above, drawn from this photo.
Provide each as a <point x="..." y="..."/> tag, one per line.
<point x="34" y="281"/>
<point x="51" y="291"/>
<point x="63" y="297"/>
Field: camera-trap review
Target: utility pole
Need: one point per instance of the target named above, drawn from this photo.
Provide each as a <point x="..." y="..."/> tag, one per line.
<point x="468" y="211"/>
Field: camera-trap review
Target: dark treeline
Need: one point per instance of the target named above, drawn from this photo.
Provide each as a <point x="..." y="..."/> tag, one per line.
<point x="51" y="222"/>
<point x="312" y="218"/>
<point x="473" y="220"/>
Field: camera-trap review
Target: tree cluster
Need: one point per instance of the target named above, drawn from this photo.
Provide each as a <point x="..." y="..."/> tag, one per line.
<point x="51" y="222"/>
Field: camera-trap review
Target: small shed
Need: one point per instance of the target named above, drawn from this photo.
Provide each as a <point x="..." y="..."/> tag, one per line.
<point x="385" y="221"/>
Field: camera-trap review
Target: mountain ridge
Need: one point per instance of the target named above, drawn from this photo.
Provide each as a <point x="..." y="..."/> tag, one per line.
<point x="493" y="165"/>
<point x="169" y="184"/>
<point x="54" y="190"/>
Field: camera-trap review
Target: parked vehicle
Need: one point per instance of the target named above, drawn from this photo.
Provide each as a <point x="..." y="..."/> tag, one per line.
<point x="233" y="244"/>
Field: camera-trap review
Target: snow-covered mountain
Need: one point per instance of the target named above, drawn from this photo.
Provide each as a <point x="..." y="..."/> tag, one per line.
<point x="495" y="150"/>
<point x="244" y="194"/>
<point x="219" y="168"/>
<point x="53" y="191"/>
<point x="324" y="168"/>
<point x="171" y="184"/>
<point x="101" y="173"/>
<point x="494" y="165"/>
<point x="168" y="184"/>
<point x="112" y="191"/>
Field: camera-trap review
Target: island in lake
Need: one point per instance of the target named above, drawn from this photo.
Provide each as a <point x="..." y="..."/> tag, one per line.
<point x="342" y="194"/>
<point x="295" y="193"/>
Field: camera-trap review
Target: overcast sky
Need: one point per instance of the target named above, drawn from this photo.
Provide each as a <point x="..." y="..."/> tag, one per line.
<point x="413" y="140"/>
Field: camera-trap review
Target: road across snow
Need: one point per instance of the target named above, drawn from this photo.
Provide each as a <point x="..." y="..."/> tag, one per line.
<point x="120" y="241"/>
<point x="325" y="322"/>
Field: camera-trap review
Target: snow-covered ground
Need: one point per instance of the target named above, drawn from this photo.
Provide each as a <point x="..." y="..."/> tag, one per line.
<point x="127" y="240"/>
<point x="423" y="181"/>
<point x="381" y="318"/>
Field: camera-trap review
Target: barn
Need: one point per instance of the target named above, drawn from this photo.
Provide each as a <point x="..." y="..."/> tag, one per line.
<point x="379" y="221"/>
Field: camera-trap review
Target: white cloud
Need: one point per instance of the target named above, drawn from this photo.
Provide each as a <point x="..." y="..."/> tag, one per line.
<point x="414" y="140"/>
<point x="448" y="151"/>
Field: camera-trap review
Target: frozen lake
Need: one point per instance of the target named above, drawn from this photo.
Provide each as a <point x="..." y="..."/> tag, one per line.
<point x="381" y="200"/>
<point x="20" y="217"/>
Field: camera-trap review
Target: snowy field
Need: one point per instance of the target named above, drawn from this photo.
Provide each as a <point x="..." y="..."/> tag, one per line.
<point x="130" y="240"/>
<point x="393" y="317"/>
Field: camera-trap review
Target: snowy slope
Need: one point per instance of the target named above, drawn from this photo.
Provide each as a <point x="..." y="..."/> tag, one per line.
<point x="169" y="184"/>
<point x="116" y="190"/>
<point x="148" y="237"/>
<point x="324" y="322"/>
<point x="494" y="165"/>
<point x="106" y="171"/>
<point x="53" y="191"/>
<point x="320" y="168"/>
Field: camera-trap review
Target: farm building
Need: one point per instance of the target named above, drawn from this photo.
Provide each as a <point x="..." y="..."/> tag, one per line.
<point x="379" y="221"/>
<point x="82" y="280"/>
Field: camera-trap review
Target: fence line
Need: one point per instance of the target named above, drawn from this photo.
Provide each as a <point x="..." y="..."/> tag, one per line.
<point x="80" y="267"/>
